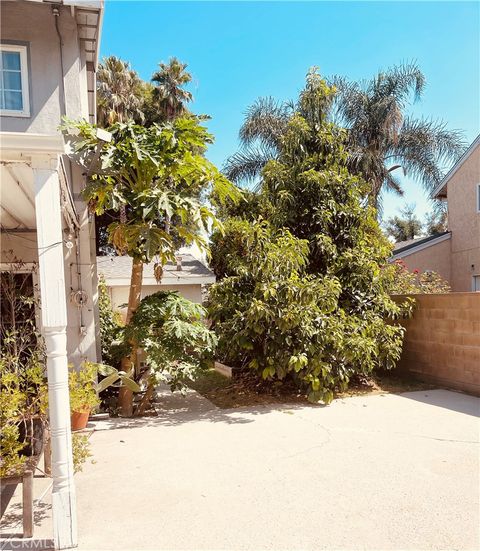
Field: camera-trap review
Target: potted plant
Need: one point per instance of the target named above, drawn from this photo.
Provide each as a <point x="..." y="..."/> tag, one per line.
<point x="23" y="402"/>
<point x="83" y="394"/>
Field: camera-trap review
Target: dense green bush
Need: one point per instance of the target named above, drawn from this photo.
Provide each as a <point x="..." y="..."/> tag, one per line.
<point x="111" y="327"/>
<point x="171" y="331"/>
<point x="275" y="318"/>
<point x="305" y="293"/>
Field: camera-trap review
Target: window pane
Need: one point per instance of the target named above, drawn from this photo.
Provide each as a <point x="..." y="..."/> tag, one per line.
<point x="13" y="101"/>
<point x="12" y="80"/>
<point x="2" y="102"/>
<point x="11" y="60"/>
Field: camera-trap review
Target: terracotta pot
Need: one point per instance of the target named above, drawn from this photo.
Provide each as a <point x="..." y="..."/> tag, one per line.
<point x="79" y="419"/>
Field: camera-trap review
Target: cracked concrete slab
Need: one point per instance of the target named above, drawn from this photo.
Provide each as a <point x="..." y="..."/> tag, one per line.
<point x="374" y="472"/>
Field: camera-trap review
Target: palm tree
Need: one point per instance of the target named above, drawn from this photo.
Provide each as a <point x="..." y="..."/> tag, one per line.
<point x="169" y="92"/>
<point x="119" y="92"/>
<point x="381" y="138"/>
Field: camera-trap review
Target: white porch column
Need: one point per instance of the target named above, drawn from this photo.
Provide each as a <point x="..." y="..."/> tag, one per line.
<point x="54" y="322"/>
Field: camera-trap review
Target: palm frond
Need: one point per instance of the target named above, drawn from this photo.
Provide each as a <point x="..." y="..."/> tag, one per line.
<point x="265" y="121"/>
<point x="425" y="147"/>
<point x="399" y="82"/>
<point x="247" y="164"/>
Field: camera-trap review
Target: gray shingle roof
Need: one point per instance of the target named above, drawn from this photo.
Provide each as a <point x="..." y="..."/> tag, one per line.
<point x="119" y="267"/>
<point x="403" y="246"/>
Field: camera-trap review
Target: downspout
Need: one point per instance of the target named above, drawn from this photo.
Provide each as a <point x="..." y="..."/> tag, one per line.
<point x="63" y="99"/>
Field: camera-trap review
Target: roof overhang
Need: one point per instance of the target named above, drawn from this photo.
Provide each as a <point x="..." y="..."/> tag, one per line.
<point x="401" y="253"/>
<point x="186" y="280"/>
<point x="440" y="192"/>
<point x="28" y="143"/>
<point x="88" y="15"/>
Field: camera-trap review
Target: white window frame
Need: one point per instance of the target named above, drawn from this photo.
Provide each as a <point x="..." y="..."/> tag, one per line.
<point x="22" y="50"/>
<point x="474" y="277"/>
<point x="478" y="198"/>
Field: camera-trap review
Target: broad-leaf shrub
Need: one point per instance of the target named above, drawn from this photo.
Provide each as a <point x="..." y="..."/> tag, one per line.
<point x="305" y="294"/>
<point x="171" y="331"/>
<point x="277" y="319"/>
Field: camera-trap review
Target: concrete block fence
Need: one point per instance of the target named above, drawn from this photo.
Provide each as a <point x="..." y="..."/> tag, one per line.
<point x="442" y="341"/>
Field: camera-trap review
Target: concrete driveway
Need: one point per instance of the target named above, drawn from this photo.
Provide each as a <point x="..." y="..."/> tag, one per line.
<point x="375" y="472"/>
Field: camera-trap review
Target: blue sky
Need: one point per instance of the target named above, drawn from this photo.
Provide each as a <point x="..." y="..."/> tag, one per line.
<point x="238" y="51"/>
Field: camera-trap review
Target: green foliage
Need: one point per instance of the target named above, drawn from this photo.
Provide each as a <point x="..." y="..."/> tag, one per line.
<point x="404" y="227"/>
<point x="275" y="318"/>
<point x="405" y="282"/>
<point x="436" y="221"/>
<point x="229" y="247"/>
<point x="11" y="462"/>
<point x="82" y="387"/>
<point x="381" y="137"/>
<point x="158" y="176"/>
<point x="304" y="294"/>
<point x="23" y="385"/>
<point x="80" y="450"/>
<point x="172" y="333"/>
<point x="115" y="377"/>
<point x="23" y="397"/>
<point x="111" y="327"/>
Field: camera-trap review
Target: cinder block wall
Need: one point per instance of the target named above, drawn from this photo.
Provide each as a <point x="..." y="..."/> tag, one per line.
<point x="442" y="341"/>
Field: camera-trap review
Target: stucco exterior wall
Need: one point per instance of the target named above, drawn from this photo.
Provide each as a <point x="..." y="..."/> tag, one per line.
<point x="33" y="24"/>
<point x="464" y="222"/>
<point x="81" y="343"/>
<point x="442" y="341"/>
<point x="119" y="295"/>
<point x="436" y="257"/>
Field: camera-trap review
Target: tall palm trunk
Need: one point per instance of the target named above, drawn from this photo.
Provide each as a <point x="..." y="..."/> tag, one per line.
<point x="125" y="396"/>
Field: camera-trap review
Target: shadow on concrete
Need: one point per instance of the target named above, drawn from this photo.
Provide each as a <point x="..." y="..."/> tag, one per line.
<point x="13" y="516"/>
<point x="447" y="399"/>
<point x="175" y="409"/>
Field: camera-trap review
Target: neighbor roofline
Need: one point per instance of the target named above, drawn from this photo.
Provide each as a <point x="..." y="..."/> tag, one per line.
<point x="423" y="244"/>
<point x="176" y="280"/>
<point x="439" y="189"/>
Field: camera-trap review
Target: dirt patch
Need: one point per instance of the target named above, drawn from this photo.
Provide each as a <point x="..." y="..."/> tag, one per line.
<point x="247" y="390"/>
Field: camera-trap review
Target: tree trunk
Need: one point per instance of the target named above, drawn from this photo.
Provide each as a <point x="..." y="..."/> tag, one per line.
<point x="125" y="395"/>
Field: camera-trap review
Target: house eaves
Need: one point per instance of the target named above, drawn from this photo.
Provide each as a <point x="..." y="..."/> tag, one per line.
<point x="419" y="245"/>
<point x="440" y="192"/>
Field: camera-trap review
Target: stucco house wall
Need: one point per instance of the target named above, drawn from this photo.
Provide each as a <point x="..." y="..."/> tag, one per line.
<point x="33" y="25"/>
<point x="464" y="222"/>
<point x="119" y="295"/>
<point x="56" y="86"/>
<point x="456" y="254"/>
<point x="434" y="258"/>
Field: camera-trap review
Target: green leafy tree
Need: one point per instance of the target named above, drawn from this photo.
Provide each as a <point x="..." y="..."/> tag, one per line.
<point x="307" y="295"/>
<point x="382" y="139"/>
<point x="171" y="331"/>
<point x="437" y="221"/>
<point x="156" y="174"/>
<point x="404" y="227"/>
<point x="111" y="327"/>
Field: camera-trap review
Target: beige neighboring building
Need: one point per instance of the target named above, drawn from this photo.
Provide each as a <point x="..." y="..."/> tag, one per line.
<point x="187" y="277"/>
<point x="455" y="254"/>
